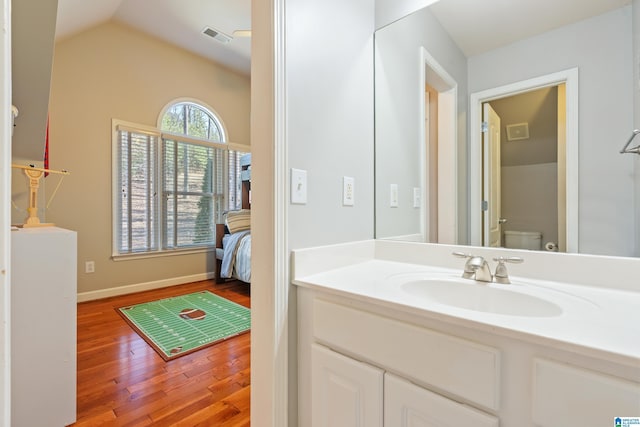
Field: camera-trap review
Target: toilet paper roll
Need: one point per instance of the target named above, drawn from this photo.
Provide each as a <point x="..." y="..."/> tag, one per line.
<point x="551" y="247"/>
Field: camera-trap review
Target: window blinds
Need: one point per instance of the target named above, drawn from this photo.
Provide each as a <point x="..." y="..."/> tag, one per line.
<point x="193" y="192"/>
<point x="137" y="183"/>
<point x="172" y="190"/>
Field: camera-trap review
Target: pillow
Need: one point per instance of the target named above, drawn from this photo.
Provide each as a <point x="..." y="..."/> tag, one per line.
<point x="238" y="220"/>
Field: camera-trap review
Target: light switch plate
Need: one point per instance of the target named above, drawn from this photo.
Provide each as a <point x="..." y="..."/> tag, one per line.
<point x="416" y="197"/>
<point x="298" y="186"/>
<point x="393" y="196"/>
<point x="348" y="188"/>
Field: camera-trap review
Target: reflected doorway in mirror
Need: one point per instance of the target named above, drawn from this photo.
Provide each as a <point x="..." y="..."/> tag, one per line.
<point x="567" y="155"/>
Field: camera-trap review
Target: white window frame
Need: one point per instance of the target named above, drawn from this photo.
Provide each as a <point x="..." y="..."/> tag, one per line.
<point x="214" y="114"/>
<point x="116" y="125"/>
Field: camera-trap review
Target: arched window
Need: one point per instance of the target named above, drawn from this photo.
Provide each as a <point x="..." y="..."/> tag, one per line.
<point x="193" y="120"/>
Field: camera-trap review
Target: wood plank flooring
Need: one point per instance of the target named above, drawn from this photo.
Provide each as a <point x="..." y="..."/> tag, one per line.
<point x="122" y="381"/>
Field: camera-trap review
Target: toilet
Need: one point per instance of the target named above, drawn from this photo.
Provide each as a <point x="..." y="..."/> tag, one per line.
<point x="523" y="240"/>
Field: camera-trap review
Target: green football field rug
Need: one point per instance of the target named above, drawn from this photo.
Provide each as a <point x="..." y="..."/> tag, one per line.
<point x="180" y="325"/>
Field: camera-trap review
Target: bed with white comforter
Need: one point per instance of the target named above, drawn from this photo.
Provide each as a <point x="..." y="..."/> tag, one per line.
<point x="236" y="256"/>
<point x="233" y="251"/>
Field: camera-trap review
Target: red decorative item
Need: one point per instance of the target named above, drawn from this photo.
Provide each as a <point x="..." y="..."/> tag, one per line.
<point x="46" y="150"/>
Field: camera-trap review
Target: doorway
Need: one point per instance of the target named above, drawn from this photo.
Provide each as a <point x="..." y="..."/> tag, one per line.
<point x="565" y="83"/>
<point x="438" y="168"/>
<point x="523" y="170"/>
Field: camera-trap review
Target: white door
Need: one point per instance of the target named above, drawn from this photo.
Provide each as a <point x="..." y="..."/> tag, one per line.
<point x="491" y="176"/>
<point x="407" y="405"/>
<point x="344" y="391"/>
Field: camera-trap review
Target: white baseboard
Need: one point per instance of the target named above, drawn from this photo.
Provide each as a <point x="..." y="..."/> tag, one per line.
<point x="139" y="287"/>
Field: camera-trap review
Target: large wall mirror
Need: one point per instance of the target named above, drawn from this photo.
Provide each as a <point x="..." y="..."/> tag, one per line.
<point x="501" y="125"/>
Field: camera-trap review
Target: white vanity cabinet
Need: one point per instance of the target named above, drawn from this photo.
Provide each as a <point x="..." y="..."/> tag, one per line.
<point x="350" y="393"/>
<point x="373" y="364"/>
<point x="567" y="395"/>
<point x="361" y="364"/>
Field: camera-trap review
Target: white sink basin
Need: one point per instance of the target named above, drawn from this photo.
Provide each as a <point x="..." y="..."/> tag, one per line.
<point x="487" y="298"/>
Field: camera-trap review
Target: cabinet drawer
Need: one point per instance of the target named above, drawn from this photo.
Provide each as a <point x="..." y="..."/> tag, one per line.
<point x="460" y="367"/>
<point x="567" y="395"/>
<point x="407" y="405"/>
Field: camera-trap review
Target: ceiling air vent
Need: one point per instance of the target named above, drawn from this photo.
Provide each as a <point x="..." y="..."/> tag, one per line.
<point x="517" y="131"/>
<point x="217" y="35"/>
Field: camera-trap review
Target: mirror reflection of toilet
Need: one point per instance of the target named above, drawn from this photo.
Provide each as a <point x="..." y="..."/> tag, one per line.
<point x="531" y="240"/>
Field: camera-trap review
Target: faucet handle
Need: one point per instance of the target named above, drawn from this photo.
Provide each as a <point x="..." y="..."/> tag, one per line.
<point x="468" y="272"/>
<point x="502" y="275"/>
<point x="462" y="255"/>
<point x="511" y="259"/>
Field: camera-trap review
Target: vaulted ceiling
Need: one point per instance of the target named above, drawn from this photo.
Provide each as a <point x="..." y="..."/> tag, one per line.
<point x="180" y="22"/>
<point x="476" y="25"/>
<point x="37" y="24"/>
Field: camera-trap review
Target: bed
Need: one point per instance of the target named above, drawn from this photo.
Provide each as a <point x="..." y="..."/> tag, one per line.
<point x="233" y="237"/>
<point x="233" y="247"/>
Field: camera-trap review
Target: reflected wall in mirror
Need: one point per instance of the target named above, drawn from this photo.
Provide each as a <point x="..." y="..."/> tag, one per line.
<point x="436" y="67"/>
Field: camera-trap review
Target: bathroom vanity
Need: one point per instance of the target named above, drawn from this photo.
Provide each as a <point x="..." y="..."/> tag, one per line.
<point x="390" y="334"/>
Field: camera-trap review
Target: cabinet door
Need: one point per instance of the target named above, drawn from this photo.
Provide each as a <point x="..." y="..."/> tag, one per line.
<point x="345" y="392"/>
<point x="568" y="395"/>
<point x="407" y="405"/>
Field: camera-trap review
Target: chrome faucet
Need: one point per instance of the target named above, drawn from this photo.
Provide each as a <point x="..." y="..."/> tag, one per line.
<point x="480" y="268"/>
<point x="476" y="268"/>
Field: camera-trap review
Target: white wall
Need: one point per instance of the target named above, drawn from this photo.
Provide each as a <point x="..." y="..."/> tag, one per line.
<point x="398" y="115"/>
<point x="329" y="101"/>
<point x="328" y="131"/>
<point x="87" y="84"/>
<point x="601" y="48"/>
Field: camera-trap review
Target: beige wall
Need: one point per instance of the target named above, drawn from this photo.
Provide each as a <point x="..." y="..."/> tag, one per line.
<point x="113" y="71"/>
<point x="538" y="108"/>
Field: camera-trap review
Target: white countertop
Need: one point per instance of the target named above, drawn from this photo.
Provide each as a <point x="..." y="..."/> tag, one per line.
<point x="602" y="322"/>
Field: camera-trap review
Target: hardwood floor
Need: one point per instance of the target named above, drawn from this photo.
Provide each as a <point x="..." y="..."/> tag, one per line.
<point x="122" y="381"/>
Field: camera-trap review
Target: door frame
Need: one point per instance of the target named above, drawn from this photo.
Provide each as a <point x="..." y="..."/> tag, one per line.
<point x="570" y="79"/>
<point x="447" y="88"/>
<point x="5" y="214"/>
<point x="273" y="360"/>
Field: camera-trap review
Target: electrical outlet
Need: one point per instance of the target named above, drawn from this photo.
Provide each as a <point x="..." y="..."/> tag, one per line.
<point x="348" y="188"/>
<point x="89" y="267"/>
<point x="393" y="196"/>
<point x="298" y="186"/>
